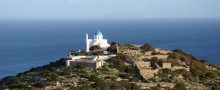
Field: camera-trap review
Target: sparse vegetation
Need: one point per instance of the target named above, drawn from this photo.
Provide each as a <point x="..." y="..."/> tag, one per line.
<point x="120" y="73"/>
<point x="98" y="53"/>
<point x="112" y="49"/>
<point x="147" y="47"/>
<point x="180" y="86"/>
<point x="94" y="48"/>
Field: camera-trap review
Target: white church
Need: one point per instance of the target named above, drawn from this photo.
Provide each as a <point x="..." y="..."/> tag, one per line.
<point x="90" y="61"/>
<point x="98" y="40"/>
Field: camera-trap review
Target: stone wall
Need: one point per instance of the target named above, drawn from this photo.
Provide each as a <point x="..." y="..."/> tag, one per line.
<point x="88" y="61"/>
<point x="147" y="86"/>
<point x="144" y="69"/>
<point x="142" y="64"/>
<point x="180" y="67"/>
<point x="95" y="65"/>
<point x="128" y="51"/>
<point x="106" y="57"/>
<point x="148" y="53"/>
<point x="157" y="50"/>
<point x="166" y="65"/>
<point x="158" y="56"/>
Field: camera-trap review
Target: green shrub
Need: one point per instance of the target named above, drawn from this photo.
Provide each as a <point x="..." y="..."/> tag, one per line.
<point x="116" y="86"/>
<point x="173" y="56"/>
<point x="167" y="71"/>
<point x="123" y="57"/>
<point x="127" y="46"/>
<point x="130" y="70"/>
<point x="134" y="87"/>
<point x="101" y="84"/>
<point x="186" y="60"/>
<point x="155" y="88"/>
<point x="147" y="47"/>
<point x="124" y="84"/>
<point x="179" y="51"/>
<point x="191" y="57"/>
<point x="203" y="61"/>
<point x="66" y="71"/>
<point x="153" y="62"/>
<point x="174" y="62"/>
<point x="98" y="53"/>
<point x="211" y="75"/>
<point x="187" y="76"/>
<point x="180" y="86"/>
<point x="199" y="66"/>
<point x="160" y="63"/>
<point x="94" y="48"/>
<point x="41" y="84"/>
<point x="20" y="86"/>
<point x="215" y="87"/>
<point x="85" y="87"/>
<point x="58" y="88"/>
<point x="94" y="78"/>
<point x="112" y="49"/>
<point x="134" y="79"/>
<point x="74" y="88"/>
<point x="124" y="76"/>
<point x="195" y="72"/>
<point x="117" y="63"/>
<point x="80" y="54"/>
<point x="114" y="43"/>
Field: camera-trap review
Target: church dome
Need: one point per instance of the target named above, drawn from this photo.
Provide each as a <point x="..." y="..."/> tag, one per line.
<point x="98" y="33"/>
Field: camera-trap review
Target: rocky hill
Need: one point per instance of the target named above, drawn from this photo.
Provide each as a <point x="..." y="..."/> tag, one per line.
<point x="135" y="67"/>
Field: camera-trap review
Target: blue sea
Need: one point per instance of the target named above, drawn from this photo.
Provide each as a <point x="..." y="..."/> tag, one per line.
<point x="25" y="44"/>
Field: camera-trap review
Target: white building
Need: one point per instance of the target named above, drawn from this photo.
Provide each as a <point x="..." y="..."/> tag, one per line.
<point x="88" y="61"/>
<point x="98" y="40"/>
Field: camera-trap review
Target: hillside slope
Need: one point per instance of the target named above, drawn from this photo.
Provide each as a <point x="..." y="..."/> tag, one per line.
<point x="135" y="67"/>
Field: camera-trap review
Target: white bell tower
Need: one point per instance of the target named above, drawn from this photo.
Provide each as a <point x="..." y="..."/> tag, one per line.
<point x="87" y="43"/>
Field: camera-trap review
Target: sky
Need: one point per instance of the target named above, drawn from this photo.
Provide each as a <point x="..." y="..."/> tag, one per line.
<point x="107" y="9"/>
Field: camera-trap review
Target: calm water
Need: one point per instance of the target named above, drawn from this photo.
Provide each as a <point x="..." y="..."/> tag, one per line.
<point x="30" y="43"/>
